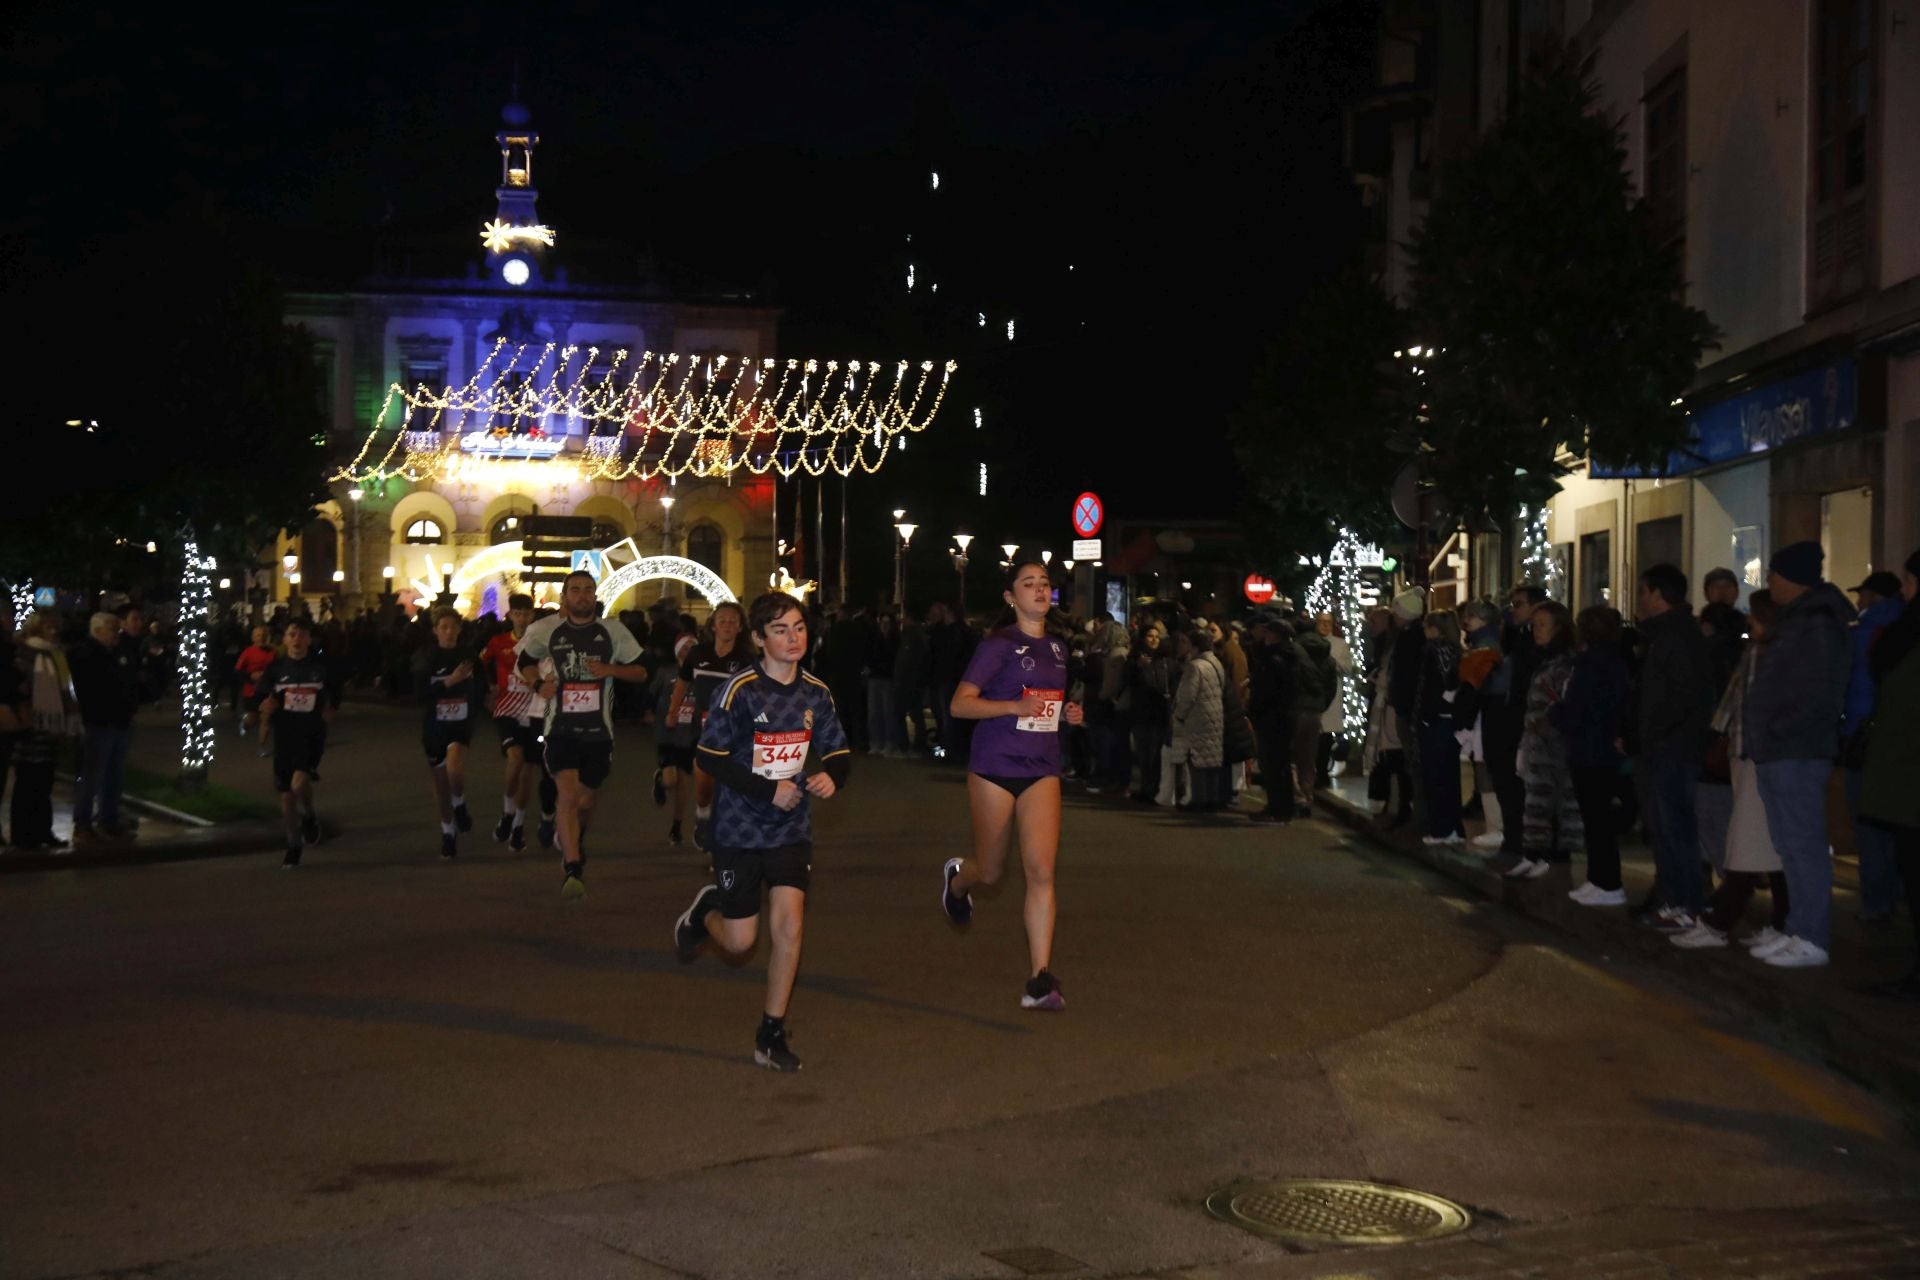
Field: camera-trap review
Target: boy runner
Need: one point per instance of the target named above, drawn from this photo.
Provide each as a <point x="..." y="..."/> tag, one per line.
<point x="707" y="667"/>
<point x="572" y="660"/>
<point x="755" y="746"/>
<point x="252" y="663"/>
<point x="447" y="678"/>
<point x="513" y="717"/>
<point x="299" y="697"/>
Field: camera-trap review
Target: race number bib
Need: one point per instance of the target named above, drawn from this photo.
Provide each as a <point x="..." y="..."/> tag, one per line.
<point x="686" y="711"/>
<point x="780" y="756"/>
<point x="580" y="699"/>
<point x="450" y="709"/>
<point x="299" y="699"/>
<point x="1048" y="721"/>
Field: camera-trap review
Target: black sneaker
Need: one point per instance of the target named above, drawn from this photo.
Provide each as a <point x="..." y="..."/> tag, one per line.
<point x="674" y="836"/>
<point x="461" y="818"/>
<point x="503" y="829"/>
<point x="449" y="849"/>
<point x="659" y="788"/>
<point x="1043" y="992"/>
<point x="517" y="838"/>
<point x="959" y="907"/>
<point x="770" y="1051"/>
<point x="545" y="834"/>
<point x="703" y="836"/>
<point x="292" y="859"/>
<point x="690" y="930"/>
<point x="574" y="886"/>
<point x="310" y="829"/>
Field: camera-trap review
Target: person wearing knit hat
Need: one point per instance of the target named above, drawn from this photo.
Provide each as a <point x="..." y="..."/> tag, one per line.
<point x="1410" y="604"/>
<point x="1790" y="729"/>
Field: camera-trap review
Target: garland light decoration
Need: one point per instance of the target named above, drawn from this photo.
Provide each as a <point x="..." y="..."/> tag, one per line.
<point x="1343" y="590"/>
<point x="22" y="601"/>
<point x="196" y="695"/>
<point x="660" y="414"/>
<point x="1537" y="563"/>
<point x="501" y="236"/>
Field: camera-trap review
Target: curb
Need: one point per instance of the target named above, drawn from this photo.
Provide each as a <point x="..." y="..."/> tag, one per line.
<point x="1838" y="1037"/>
<point x="216" y="841"/>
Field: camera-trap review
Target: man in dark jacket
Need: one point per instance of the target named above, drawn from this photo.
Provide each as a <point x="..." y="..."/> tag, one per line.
<point x="1675" y="707"/>
<point x="106" y="682"/>
<point x="1880" y="604"/>
<point x="949" y="646"/>
<point x="1791" y="731"/>
<point x="1271" y="691"/>
<point x="1316" y="684"/>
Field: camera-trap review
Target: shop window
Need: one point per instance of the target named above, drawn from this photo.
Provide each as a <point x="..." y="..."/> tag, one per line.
<point x="1596" y="568"/>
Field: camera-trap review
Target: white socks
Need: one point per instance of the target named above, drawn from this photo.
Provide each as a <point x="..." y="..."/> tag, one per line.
<point x="509" y="806"/>
<point x="446" y="828"/>
<point x="702" y="812"/>
<point x="459" y="801"/>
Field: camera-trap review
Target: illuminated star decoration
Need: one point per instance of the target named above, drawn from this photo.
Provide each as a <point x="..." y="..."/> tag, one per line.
<point x="500" y="236"/>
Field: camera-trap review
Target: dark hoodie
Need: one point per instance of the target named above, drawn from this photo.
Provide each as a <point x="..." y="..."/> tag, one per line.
<point x="1799" y="684"/>
<point x="1677" y="690"/>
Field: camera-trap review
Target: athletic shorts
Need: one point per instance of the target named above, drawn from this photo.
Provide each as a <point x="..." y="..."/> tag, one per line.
<point x="297" y="751"/>
<point x="514" y="734"/>
<point x="741" y="872"/>
<point x="436" y="742"/>
<point x="675" y="757"/>
<point x="593" y="759"/>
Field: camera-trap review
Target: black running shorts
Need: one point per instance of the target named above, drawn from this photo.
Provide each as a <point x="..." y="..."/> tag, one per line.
<point x="593" y="759"/>
<point x="436" y="742"/>
<point x="741" y="872"/>
<point x="514" y="734"/>
<point x="672" y="757"/>
<point x="297" y="751"/>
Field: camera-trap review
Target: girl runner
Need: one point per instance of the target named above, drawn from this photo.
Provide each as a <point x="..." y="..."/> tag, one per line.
<point x="1015" y="686"/>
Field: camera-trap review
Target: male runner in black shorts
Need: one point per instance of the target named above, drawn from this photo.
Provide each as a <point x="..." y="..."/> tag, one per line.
<point x="572" y="660"/>
<point x="447" y="680"/>
<point x="299" y="697"/>
<point x="755" y="744"/>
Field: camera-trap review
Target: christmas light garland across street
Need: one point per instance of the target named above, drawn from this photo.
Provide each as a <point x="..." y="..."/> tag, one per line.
<point x="660" y="414"/>
<point x="196" y="689"/>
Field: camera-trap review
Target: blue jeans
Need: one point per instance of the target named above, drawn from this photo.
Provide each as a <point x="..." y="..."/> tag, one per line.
<point x="883" y="722"/>
<point x="1795" y="795"/>
<point x="1879" y="870"/>
<point x="1666" y="781"/>
<point x="103" y="764"/>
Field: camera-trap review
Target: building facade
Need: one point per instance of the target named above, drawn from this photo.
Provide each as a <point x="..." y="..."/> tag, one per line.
<point x="1774" y="142"/>
<point x="495" y="322"/>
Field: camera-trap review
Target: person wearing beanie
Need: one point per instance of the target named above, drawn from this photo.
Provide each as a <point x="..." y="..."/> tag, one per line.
<point x="1791" y="731"/>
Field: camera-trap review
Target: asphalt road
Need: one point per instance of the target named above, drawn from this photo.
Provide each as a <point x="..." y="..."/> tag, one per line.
<point x="383" y="1064"/>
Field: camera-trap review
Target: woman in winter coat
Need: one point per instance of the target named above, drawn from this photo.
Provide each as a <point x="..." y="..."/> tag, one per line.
<point x="1146" y="685"/>
<point x="53" y="722"/>
<point x="1198" y="720"/>
<point x="1552" y="826"/>
<point x="1750" y="856"/>
<point x="1438" y="685"/>
<point x="1590" y="719"/>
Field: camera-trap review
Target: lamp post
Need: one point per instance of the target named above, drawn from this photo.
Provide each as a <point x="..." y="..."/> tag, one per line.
<point x="905" y="529"/>
<point x="666" y="534"/>
<point x="960" y="566"/>
<point x="353" y="533"/>
<point x="1006" y="554"/>
<point x="290" y="570"/>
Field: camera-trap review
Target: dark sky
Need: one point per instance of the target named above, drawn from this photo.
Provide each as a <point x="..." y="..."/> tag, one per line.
<point x="1184" y="158"/>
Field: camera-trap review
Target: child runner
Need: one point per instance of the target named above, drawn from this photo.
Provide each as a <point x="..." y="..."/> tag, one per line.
<point x="252" y="663"/>
<point x="707" y="667"/>
<point x="572" y="660"/>
<point x="673" y="777"/>
<point x="299" y="697"/>
<point x="755" y="746"/>
<point x="513" y="717"/>
<point x="1015" y="686"/>
<point x="446" y="677"/>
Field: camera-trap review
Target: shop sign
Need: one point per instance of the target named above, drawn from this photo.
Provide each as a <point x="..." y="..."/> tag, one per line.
<point x="1814" y="403"/>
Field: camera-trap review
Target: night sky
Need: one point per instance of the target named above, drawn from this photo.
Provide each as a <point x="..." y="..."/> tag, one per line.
<point x="1183" y="160"/>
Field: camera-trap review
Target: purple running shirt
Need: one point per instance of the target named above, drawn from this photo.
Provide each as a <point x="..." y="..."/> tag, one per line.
<point x="1007" y="664"/>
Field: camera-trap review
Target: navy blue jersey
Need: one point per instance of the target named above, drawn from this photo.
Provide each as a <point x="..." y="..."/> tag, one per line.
<point x="769" y="728"/>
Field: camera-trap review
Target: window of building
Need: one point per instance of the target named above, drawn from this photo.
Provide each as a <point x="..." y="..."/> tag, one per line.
<point x="605" y="533"/>
<point x="506" y="529"/>
<point x="1840" y="224"/>
<point x="424" y="532"/>
<point x="708" y="546"/>
<point x="319" y="554"/>
<point x="1666" y="162"/>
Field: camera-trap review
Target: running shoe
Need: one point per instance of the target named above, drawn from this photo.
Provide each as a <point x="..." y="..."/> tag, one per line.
<point x="503" y="828"/>
<point x="690" y="930"/>
<point x="1043" y="992"/>
<point x="517" y="838"/>
<point x="1672" y="920"/>
<point x="770" y="1051"/>
<point x="959" y="907"/>
<point x="674" y="836"/>
<point x="1521" y="870"/>
<point x="449" y="848"/>
<point x="461" y="818"/>
<point x="1797" y="954"/>
<point x="1764" y="937"/>
<point x="1489" y="840"/>
<point x="574" y="886"/>
<point x="1590" y="894"/>
<point x="703" y="836"/>
<point x="659" y="788"/>
<point x="545" y="834"/>
<point x="292" y="859"/>
<point x="310" y="829"/>
<point x="1701" y="936"/>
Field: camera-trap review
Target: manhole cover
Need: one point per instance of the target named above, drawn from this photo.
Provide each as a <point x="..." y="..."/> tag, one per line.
<point x="1331" y="1211"/>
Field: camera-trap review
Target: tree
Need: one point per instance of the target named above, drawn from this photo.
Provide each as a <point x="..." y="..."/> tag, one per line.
<point x="1558" y="315"/>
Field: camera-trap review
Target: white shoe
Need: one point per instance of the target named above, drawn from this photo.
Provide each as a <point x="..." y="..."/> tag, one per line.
<point x="1797" y="954"/>
<point x="1701" y="935"/>
<point x="1761" y="937"/>
<point x="1590" y="894"/>
<point x="1521" y="870"/>
<point x="1778" y="942"/>
<point x="1434" y="842"/>
<point x="1536" y="869"/>
<point x="1491" y="840"/>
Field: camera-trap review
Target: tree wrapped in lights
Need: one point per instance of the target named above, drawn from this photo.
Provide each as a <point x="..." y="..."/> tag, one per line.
<point x="196" y="689"/>
<point x="1537" y="562"/>
<point x="1341" y="589"/>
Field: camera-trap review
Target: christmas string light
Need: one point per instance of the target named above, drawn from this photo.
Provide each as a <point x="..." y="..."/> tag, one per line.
<point x="1537" y="562"/>
<point x="196" y="697"/>
<point x="22" y="601"/>
<point x="1341" y="589"/>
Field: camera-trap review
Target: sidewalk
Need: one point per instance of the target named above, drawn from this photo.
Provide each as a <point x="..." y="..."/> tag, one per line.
<point x="1826" y="1012"/>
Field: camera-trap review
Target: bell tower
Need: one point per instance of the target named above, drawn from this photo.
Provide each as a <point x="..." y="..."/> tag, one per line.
<point x="516" y="241"/>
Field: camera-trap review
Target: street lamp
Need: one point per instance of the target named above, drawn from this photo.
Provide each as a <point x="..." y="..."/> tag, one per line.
<point x="905" y="529"/>
<point x="960" y="565"/>
<point x="353" y="532"/>
<point x="1007" y="549"/>
<point x="1046" y="557"/>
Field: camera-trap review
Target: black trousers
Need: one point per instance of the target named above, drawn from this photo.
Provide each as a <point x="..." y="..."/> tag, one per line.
<point x="1906" y="851"/>
<point x="1729" y="902"/>
<point x="1593" y="790"/>
<point x="1391" y="765"/>
<point x="32" y="815"/>
<point x="1275" y="740"/>
<point x="1500" y="731"/>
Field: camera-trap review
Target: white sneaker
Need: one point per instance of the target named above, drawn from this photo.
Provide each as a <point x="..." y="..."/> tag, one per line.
<point x="1491" y="840"/>
<point x="1778" y="942"/>
<point x="1701" y="935"/>
<point x="1761" y="937"/>
<point x="1797" y="954"/>
<point x="1537" y="869"/>
<point x="1522" y="870"/>
<point x="1590" y="894"/>
<point x="1434" y="842"/>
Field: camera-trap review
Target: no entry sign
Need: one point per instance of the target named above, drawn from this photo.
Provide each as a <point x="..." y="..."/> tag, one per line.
<point x="1258" y="589"/>
<point x="1087" y="514"/>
